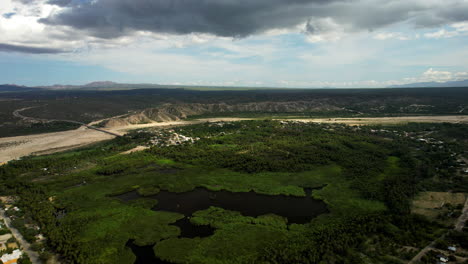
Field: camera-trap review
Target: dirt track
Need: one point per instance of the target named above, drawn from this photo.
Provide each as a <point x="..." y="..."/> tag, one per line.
<point x="15" y="147"/>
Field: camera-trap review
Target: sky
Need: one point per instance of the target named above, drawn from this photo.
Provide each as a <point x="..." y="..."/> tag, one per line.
<point x="257" y="43"/>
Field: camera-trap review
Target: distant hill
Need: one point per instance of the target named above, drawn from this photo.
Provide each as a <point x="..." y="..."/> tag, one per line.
<point x="102" y="85"/>
<point x="14" y="88"/>
<point x="463" y="83"/>
<point x="113" y="86"/>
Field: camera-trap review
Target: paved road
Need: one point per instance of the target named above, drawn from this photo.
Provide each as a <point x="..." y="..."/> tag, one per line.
<point x="33" y="255"/>
<point x="458" y="227"/>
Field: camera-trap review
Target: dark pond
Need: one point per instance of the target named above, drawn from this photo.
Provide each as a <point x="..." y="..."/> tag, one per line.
<point x="190" y="230"/>
<point x="297" y="210"/>
<point x="145" y="254"/>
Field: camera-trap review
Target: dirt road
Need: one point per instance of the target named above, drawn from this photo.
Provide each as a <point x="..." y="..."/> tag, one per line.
<point x="463" y="217"/>
<point x="425" y="250"/>
<point x="33" y="255"/>
<point x="15" y="147"/>
<point x="458" y="227"/>
<point x="17" y="113"/>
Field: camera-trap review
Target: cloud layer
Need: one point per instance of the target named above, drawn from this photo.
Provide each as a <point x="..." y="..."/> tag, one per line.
<point x="28" y="49"/>
<point x="303" y="43"/>
<point x="240" y="18"/>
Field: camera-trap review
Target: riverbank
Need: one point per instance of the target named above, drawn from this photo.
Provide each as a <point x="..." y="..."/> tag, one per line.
<point x="12" y="148"/>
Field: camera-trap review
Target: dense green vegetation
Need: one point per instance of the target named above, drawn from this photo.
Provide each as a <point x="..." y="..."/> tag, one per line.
<point x="439" y="146"/>
<point x="367" y="180"/>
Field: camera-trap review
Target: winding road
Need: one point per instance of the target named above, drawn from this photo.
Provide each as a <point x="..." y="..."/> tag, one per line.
<point x="17" y="113"/>
<point x="461" y="222"/>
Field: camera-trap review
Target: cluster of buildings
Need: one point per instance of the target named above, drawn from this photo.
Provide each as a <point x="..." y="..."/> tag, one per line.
<point x="10" y="252"/>
<point x="442" y="259"/>
<point x="9" y="249"/>
<point x="169" y="138"/>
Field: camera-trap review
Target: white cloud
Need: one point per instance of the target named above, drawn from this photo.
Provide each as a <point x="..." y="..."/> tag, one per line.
<point x="461" y="75"/>
<point x="391" y="35"/>
<point x="432" y="75"/>
<point x="437" y="76"/>
<point x="461" y="27"/>
<point x="457" y="29"/>
<point x="429" y="75"/>
<point x="441" y="34"/>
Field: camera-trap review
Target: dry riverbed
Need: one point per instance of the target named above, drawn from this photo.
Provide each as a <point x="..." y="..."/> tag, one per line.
<point x="15" y="147"/>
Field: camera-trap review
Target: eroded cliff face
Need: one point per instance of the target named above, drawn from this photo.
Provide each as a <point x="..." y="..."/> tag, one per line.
<point x="175" y="112"/>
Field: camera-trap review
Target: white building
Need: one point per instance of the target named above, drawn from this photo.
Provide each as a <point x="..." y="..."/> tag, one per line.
<point x="11" y="258"/>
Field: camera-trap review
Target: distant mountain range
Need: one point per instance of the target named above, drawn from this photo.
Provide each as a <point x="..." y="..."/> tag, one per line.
<point x="108" y="85"/>
<point x="14" y="88"/>
<point x="102" y="85"/>
<point x="463" y="83"/>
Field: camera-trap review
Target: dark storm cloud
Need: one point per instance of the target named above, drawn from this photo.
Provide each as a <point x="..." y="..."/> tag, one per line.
<point x="239" y="18"/>
<point x="111" y="18"/>
<point x="59" y="2"/>
<point x="28" y="49"/>
<point x="448" y="13"/>
<point x="26" y="2"/>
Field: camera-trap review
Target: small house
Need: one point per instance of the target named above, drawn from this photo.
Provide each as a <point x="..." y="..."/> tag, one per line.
<point x="452" y="248"/>
<point x="442" y="258"/>
<point x="39" y="237"/>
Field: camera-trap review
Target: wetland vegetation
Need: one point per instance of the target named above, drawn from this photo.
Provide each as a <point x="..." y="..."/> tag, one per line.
<point x="239" y="194"/>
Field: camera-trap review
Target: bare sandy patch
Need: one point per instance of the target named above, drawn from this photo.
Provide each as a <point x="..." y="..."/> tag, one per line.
<point x="135" y="149"/>
<point x="16" y="147"/>
<point x="388" y="120"/>
<point x="430" y="204"/>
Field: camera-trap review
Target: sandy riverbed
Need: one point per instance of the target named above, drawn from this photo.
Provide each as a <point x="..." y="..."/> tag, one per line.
<point x="15" y="147"/>
<point x="389" y="120"/>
